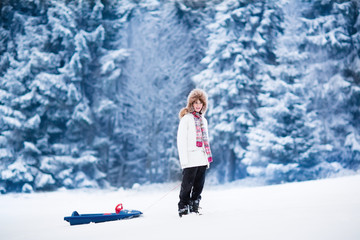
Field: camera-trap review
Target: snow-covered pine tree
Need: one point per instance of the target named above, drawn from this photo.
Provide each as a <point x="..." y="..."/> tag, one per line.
<point x="332" y="81"/>
<point x="305" y="105"/>
<point x="282" y="135"/>
<point x="45" y="67"/>
<point x="163" y="53"/>
<point x="241" y="46"/>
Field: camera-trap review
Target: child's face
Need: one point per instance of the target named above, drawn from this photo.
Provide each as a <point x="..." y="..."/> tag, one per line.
<point x="197" y="105"/>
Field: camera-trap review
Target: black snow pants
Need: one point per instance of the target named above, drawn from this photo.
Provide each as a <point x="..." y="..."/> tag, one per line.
<point x="193" y="180"/>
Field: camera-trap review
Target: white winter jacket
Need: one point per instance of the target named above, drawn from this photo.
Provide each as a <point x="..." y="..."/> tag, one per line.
<point x="190" y="155"/>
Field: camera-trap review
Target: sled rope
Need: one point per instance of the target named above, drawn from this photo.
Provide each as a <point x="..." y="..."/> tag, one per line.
<point x="157" y="201"/>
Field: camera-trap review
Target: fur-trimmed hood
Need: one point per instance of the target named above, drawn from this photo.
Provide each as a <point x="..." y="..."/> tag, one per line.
<point x="196" y="94"/>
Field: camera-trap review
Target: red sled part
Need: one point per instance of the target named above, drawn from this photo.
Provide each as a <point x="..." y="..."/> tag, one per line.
<point x="118" y="208"/>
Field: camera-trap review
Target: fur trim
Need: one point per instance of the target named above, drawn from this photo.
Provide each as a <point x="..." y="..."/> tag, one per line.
<point x="196" y="94"/>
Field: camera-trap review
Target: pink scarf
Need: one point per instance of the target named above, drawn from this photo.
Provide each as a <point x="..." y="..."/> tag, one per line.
<point x="201" y="135"/>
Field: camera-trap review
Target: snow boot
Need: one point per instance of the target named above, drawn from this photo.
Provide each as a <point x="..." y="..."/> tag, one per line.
<point x="183" y="211"/>
<point x="194" y="206"/>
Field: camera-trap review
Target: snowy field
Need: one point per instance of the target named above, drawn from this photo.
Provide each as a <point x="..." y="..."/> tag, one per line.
<point x="324" y="209"/>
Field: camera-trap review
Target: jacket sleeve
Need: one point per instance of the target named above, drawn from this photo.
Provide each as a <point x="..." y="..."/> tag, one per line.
<point x="182" y="136"/>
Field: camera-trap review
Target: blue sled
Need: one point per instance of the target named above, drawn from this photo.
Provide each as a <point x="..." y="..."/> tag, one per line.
<point x="77" y="218"/>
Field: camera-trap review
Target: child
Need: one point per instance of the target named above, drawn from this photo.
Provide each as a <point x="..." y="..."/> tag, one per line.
<point x="194" y="151"/>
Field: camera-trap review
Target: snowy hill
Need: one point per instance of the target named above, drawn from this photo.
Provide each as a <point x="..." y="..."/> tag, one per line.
<point x="314" y="210"/>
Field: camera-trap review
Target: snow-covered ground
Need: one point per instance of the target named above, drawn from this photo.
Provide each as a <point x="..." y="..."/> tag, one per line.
<point x="324" y="209"/>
